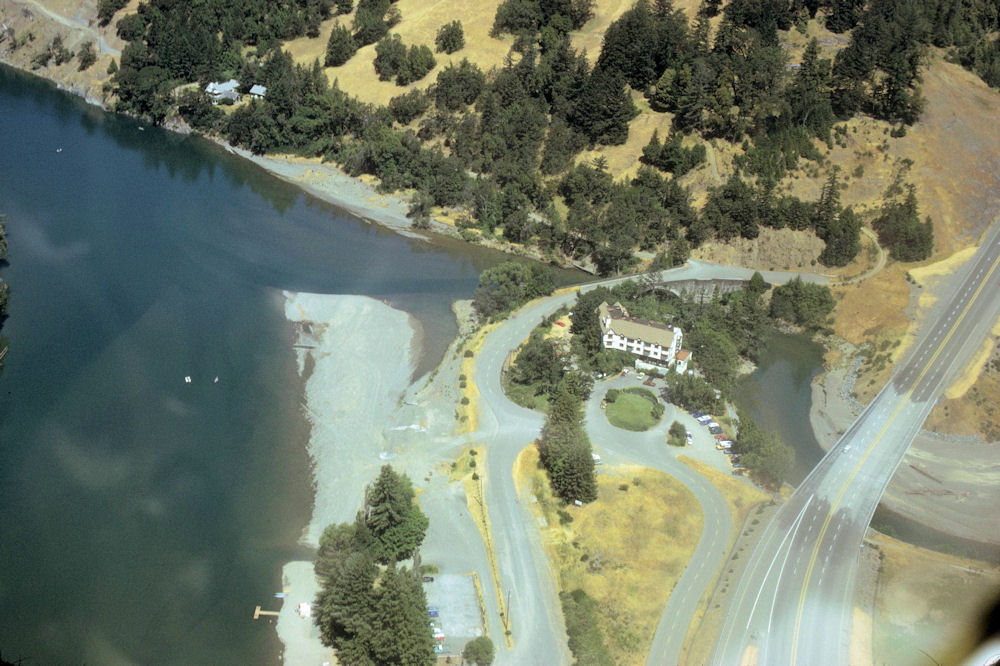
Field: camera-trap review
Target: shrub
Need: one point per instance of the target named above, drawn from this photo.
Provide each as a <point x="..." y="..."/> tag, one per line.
<point x="450" y="37"/>
<point x="87" y="55"/>
<point x="409" y="106"/>
<point x="458" y="86"/>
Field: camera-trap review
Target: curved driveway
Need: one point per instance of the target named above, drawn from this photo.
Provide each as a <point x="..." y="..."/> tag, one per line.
<point x="650" y="449"/>
<point x="505" y="428"/>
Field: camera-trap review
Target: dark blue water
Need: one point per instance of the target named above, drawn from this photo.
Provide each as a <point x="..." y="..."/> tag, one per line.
<point x="143" y="518"/>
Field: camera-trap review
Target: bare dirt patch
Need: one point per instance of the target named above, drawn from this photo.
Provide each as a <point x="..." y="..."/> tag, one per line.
<point x="773" y="249"/>
<point x="643" y="527"/>
<point x="928" y="603"/>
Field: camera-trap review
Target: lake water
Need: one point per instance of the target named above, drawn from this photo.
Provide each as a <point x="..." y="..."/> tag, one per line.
<point x="778" y="396"/>
<point x="143" y="518"/>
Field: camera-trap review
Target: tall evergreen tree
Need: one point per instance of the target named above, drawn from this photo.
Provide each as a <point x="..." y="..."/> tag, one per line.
<point x="396" y="523"/>
<point x="604" y="108"/>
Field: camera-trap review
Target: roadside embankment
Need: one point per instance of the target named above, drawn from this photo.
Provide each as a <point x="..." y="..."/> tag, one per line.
<point x="946" y="482"/>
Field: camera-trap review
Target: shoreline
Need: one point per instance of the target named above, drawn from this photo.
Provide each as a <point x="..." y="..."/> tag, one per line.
<point x="353" y="383"/>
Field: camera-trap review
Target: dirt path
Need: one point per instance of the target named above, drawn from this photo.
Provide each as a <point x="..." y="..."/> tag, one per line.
<point x="102" y="44"/>
<point x="879" y="265"/>
<point x="712" y="164"/>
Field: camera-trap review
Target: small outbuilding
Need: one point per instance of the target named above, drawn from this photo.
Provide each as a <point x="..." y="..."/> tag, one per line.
<point x="257" y="91"/>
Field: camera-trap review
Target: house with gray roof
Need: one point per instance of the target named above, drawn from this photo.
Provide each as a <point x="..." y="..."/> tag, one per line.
<point x="226" y="90"/>
<point x="657" y="345"/>
<point x="258" y="91"/>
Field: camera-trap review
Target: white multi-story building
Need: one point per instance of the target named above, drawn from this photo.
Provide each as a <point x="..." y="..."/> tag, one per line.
<point x="657" y="345"/>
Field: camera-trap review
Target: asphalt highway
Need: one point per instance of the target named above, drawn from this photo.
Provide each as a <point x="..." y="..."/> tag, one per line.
<point x="793" y="604"/>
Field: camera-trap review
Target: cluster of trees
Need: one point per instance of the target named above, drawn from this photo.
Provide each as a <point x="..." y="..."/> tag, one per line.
<point x="879" y="71"/>
<point x="762" y="452"/>
<point x="450" y="37"/>
<point x="370" y="609"/>
<point x="689" y="392"/>
<point x="564" y="448"/>
<point x="394" y="60"/>
<point x="899" y="227"/>
<point x="583" y="617"/>
<point x="671" y="155"/>
<point x="802" y="303"/>
<point x="528" y="17"/>
<point x="507" y="286"/>
<point x="106" y="10"/>
<point x="177" y="42"/>
<point x="528" y="119"/>
<point x="55" y="51"/>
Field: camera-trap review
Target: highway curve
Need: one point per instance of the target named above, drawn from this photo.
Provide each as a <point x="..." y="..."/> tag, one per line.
<point x="794" y="600"/>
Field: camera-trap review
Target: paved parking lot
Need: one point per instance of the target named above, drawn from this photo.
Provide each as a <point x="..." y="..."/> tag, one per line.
<point x="457" y="603"/>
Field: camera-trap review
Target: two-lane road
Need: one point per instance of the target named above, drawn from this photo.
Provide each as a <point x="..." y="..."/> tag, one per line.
<point x="793" y="604"/>
<point x="505" y="429"/>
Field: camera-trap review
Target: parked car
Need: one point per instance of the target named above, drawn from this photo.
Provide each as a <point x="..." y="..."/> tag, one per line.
<point x="715" y="430"/>
<point x="689" y="436"/>
<point x="704" y="419"/>
<point x="428" y="579"/>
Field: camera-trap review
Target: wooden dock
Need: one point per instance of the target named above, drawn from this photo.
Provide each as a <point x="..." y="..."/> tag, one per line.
<point x="257" y="612"/>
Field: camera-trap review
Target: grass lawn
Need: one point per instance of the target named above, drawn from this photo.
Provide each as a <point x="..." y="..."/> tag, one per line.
<point x="634" y="410"/>
<point x="643" y="528"/>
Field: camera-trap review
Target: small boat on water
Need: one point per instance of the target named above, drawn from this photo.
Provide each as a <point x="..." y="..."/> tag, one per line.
<point x="187" y="379"/>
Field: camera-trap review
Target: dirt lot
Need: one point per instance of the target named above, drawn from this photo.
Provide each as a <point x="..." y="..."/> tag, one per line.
<point x="928" y="605"/>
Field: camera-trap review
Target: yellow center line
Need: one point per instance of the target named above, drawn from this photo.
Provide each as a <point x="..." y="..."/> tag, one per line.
<point x="857" y="467"/>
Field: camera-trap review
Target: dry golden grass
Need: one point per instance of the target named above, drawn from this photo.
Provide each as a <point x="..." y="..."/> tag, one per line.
<point x="971" y="405"/>
<point x="773" y="249"/>
<point x="928" y="602"/>
<point x="859" y="315"/>
<point x="419" y="25"/>
<point x="615" y="546"/>
<point x="24" y="17"/>
<point x="468" y="414"/>
<point x="741" y="497"/>
<point x="971" y="372"/>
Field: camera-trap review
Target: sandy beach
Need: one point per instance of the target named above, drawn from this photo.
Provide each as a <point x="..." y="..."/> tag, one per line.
<point x="356" y="355"/>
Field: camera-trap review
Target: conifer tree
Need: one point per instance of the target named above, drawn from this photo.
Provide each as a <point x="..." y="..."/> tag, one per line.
<point x="604" y="108"/>
<point x="340" y="47"/>
<point x="396" y="523"/>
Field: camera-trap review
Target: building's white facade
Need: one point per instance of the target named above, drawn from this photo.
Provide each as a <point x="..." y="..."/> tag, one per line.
<point x="656" y="345"/>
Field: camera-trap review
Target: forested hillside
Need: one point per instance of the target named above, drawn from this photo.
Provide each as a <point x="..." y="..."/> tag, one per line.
<point x="502" y="147"/>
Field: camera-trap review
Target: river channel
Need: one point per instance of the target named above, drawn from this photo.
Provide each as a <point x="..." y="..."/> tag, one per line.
<point x="144" y="517"/>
